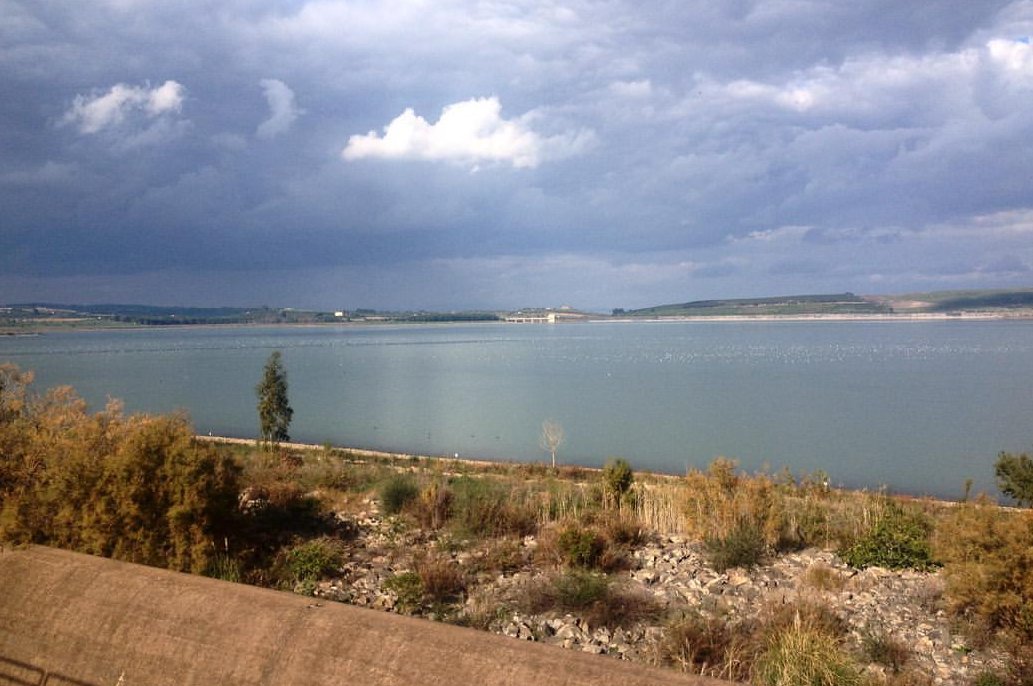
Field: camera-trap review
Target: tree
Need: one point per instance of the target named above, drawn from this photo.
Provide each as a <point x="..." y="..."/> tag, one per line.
<point x="274" y="410"/>
<point x="1015" y="477"/>
<point x="552" y="437"/>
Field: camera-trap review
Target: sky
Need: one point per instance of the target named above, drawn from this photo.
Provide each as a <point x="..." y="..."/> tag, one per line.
<point x="439" y="154"/>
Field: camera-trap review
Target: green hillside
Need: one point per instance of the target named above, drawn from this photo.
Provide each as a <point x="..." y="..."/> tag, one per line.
<point x="838" y="303"/>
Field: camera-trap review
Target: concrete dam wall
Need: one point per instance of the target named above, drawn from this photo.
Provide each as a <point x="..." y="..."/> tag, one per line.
<point x="68" y="619"/>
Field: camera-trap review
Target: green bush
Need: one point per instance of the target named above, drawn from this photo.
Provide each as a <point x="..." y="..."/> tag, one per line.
<point x="899" y="540"/>
<point x="397" y="492"/>
<point x="743" y="546"/>
<point x="579" y="547"/>
<point x="1015" y="477"/>
<point x="617" y="480"/>
<point x="312" y="560"/>
<point x="408" y="587"/>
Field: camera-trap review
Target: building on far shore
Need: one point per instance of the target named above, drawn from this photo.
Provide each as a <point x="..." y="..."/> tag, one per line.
<point x="530" y="317"/>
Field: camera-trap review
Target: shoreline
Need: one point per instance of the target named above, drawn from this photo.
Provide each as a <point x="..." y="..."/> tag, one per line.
<point x="973" y="316"/>
<point x="482" y="463"/>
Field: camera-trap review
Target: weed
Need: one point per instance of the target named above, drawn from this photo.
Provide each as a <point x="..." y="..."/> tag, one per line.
<point x="397" y="492"/>
<point x="580" y="547"/>
<point x="594" y="597"/>
<point x="441" y="579"/>
<point x="706" y="646"/>
<point x="225" y="567"/>
<point x="313" y="559"/>
<point x="743" y="546"/>
<point x="824" y="578"/>
<point x="884" y="649"/>
<point x="899" y="540"/>
<point x="408" y="588"/>
<point x="800" y="655"/>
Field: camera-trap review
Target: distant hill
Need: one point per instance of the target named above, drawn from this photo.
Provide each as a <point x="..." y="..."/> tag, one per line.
<point x="846" y="303"/>
<point x="839" y="303"/>
<point x="949" y="301"/>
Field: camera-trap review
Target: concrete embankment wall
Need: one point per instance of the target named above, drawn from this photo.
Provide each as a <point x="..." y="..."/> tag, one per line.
<point x="71" y="619"/>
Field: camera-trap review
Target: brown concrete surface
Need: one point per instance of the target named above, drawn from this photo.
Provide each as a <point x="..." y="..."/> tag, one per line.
<point x="76" y="620"/>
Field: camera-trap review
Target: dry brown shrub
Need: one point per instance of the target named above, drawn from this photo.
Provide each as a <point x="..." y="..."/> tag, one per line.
<point x="988" y="566"/>
<point x="707" y="646"/>
<point x="442" y="578"/>
<point x="822" y="577"/>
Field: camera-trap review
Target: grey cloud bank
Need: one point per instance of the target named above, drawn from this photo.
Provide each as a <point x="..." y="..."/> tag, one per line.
<point x="452" y="154"/>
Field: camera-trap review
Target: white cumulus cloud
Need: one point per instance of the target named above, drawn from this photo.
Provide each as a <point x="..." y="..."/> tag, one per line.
<point x="99" y="111"/>
<point x="282" y="109"/>
<point x="468" y="132"/>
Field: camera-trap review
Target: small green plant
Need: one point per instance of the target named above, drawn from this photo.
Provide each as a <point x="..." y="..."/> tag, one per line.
<point x="900" y="540"/>
<point x="313" y="559"/>
<point x="1015" y="477"/>
<point x="617" y="480"/>
<point x="580" y="547"/>
<point x="225" y="567"/>
<point x="799" y="655"/>
<point x="408" y="587"/>
<point x="743" y="546"/>
<point x="397" y="492"/>
<point x="989" y="679"/>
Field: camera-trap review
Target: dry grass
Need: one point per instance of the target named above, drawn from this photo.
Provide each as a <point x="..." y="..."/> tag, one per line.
<point x="822" y="577"/>
<point x="596" y="598"/>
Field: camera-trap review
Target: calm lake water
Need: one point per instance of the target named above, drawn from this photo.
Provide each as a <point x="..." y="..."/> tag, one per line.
<point x="917" y="406"/>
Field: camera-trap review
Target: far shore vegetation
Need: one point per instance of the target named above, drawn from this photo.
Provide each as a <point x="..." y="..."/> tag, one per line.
<point x="143" y="488"/>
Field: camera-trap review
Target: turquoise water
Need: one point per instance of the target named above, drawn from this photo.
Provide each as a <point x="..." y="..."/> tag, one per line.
<point x="917" y="406"/>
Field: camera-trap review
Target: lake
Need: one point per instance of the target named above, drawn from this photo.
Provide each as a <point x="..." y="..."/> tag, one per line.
<point x="917" y="406"/>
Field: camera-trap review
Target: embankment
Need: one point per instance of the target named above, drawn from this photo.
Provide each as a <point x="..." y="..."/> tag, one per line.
<point x="67" y="618"/>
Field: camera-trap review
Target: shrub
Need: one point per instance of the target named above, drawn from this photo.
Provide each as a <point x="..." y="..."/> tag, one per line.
<point x="408" y="587"/>
<point x="900" y="540"/>
<point x="988" y="566"/>
<point x="593" y="597"/>
<point x="312" y="560"/>
<point x="580" y="547"/>
<point x="397" y="492"/>
<point x="441" y="579"/>
<point x="617" y="480"/>
<point x="1015" y="477"/>
<point x="707" y="646"/>
<point x="743" y="546"/>
<point x="799" y="655"/>
<point x="433" y="507"/>
<point x="481" y="507"/>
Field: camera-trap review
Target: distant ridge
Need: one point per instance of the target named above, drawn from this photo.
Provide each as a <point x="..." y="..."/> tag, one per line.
<point x="846" y="304"/>
<point x="837" y="303"/>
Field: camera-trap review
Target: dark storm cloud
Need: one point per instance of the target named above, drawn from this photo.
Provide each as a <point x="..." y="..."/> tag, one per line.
<point x="457" y="154"/>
